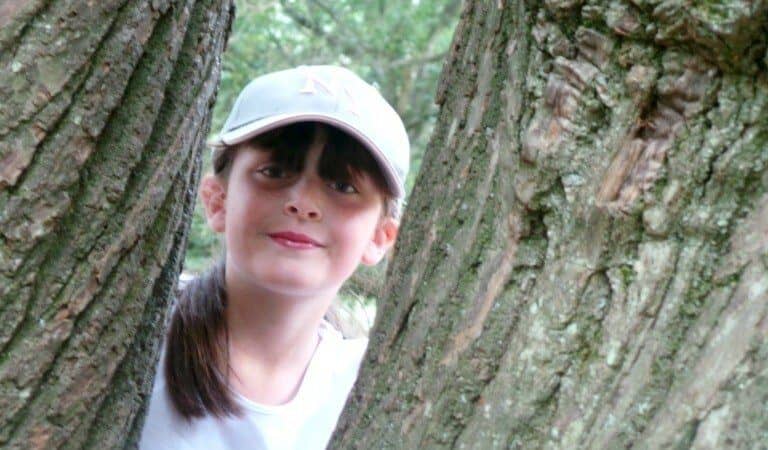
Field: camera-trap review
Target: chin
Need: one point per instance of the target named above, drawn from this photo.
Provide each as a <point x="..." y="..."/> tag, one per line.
<point x="297" y="290"/>
<point x="294" y="284"/>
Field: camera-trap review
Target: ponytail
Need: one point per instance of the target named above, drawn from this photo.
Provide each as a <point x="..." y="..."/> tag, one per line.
<point x="196" y="354"/>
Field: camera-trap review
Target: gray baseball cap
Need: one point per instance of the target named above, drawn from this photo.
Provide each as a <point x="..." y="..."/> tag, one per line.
<point x="327" y="94"/>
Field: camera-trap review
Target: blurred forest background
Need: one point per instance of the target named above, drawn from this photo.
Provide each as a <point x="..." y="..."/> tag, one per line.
<point x="397" y="45"/>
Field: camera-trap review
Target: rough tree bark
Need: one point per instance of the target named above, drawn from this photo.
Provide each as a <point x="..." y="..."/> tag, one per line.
<point x="104" y="110"/>
<point x="583" y="262"/>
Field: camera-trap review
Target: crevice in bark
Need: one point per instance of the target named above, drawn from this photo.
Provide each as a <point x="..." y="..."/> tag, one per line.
<point x="665" y="360"/>
<point x="23" y="112"/>
<point x="638" y="425"/>
<point x="9" y="47"/>
<point x="706" y="181"/>
<point x="460" y="38"/>
<point x="403" y="323"/>
<point x="501" y="327"/>
<point x="60" y="106"/>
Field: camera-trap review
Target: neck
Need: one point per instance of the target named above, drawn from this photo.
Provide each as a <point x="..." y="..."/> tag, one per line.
<point x="271" y="330"/>
<point x="272" y="338"/>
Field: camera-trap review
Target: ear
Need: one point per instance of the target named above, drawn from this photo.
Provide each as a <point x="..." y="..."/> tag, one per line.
<point x="383" y="239"/>
<point x="213" y="193"/>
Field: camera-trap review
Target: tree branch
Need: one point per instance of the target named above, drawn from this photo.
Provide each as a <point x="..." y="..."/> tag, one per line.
<point x="332" y="39"/>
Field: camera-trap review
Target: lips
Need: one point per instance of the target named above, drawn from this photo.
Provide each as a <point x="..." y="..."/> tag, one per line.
<point x="291" y="239"/>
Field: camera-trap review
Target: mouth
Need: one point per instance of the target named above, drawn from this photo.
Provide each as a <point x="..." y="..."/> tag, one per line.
<point x="294" y="240"/>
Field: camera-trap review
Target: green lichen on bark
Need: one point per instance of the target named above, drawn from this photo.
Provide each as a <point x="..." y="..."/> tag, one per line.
<point x="124" y="136"/>
<point x="630" y="140"/>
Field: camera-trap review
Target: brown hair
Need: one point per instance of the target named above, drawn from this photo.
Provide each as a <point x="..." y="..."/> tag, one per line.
<point x="196" y="354"/>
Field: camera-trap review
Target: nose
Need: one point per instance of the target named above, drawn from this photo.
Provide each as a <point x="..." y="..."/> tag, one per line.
<point x="302" y="204"/>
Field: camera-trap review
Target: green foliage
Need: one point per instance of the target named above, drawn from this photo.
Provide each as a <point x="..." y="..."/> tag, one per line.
<point x="397" y="45"/>
<point x="203" y="246"/>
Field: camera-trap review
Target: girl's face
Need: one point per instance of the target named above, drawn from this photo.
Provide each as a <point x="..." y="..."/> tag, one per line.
<point x="291" y="231"/>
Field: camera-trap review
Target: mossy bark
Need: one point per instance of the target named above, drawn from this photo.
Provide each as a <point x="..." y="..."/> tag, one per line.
<point x="104" y="111"/>
<point x="583" y="262"/>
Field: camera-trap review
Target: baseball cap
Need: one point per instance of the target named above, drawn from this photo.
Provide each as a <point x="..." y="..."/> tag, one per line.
<point x="328" y="94"/>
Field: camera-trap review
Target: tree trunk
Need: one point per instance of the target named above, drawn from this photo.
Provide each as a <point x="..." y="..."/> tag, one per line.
<point x="104" y="111"/>
<point x="583" y="262"/>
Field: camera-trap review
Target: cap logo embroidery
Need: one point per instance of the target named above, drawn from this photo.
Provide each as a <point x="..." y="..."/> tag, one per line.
<point x="346" y="101"/>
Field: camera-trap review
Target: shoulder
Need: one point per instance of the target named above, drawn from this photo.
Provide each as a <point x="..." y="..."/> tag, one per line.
<point x="345" y="353"/>
<point x="331" y="375"/>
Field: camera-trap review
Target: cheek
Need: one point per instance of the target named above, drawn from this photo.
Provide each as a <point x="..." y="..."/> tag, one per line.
<point x="241" y="216"/>
<point x="358" y="230"/>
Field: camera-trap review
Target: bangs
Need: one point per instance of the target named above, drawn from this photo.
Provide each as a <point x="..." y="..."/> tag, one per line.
<point x="344" y="158"/>
<point x="288" y="145"/>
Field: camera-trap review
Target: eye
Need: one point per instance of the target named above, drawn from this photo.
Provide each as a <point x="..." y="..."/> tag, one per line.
<point x="273" y="172"/>
<point x="342" y="187"/>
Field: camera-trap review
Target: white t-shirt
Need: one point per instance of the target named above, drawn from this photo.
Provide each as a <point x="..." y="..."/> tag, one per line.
<point x="306" y="422"/>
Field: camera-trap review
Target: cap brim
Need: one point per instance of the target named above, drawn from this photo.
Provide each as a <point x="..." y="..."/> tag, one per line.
<point x="249" y="130"/>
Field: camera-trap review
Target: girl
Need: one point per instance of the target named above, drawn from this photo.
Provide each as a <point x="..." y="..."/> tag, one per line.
<point x="308" y="183"/>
